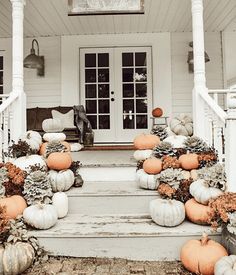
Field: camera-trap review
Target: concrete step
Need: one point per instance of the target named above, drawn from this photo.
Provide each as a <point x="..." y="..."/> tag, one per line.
<point x="106" y="165"/>
<point x="113" y="197"/>
<point x="133" y="237"/>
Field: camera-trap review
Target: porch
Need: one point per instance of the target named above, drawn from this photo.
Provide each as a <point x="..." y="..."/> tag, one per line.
<point x="110" y="210"/>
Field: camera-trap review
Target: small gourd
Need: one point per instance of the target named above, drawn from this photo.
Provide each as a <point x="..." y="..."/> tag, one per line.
<point x="40" y="216"/>
<point x="33" y="139"/>
<point x="189" y="161"/>
<point x="60" y="201"/>
<point x="142" y="154"/>
<point x="61" y="180"/>
<point x="197" y="213"/>
<point x="226" y="266"/>
<point x="152" y="166"/>
<point x="200" y="256"/>
<point x="15" y="205"/>
<point x="52" y="125"/>
<point x="146" y="181"/>
<point x="146" y="141"/>
<point x="202" y="192"/>
<point x="16" y="258"/>
<point x="157" y="112"/>
<point x="59" y="161"/>
<point x="54" y="137"/>
<point x="167" y="212"/>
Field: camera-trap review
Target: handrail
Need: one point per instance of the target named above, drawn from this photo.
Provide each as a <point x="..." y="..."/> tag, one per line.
<point x="6" y="103"/>
<point x="221" y="91"/>
<point x="214" y="106"/>
<point x="4" y="95"/>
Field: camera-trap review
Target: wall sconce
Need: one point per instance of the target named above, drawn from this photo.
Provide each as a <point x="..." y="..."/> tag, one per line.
<point x="34" y="61"/>
<point x="190" y="58"/>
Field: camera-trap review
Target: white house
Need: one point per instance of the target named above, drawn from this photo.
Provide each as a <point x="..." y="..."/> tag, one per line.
<point x="122" y="66"/>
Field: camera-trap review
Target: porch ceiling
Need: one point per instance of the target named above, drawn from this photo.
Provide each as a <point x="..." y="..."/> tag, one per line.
<point x="49" y="18"/>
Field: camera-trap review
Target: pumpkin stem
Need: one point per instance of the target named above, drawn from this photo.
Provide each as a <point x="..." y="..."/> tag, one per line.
<point x="204" y="239"/>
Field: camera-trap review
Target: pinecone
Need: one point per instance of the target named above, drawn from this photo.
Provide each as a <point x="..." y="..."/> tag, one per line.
<point x="54" y="146"/>
<point x="159" y="131"/>
<point x="37" y="188"/>
<point x="171" y="176"/>
<point x="214" y="176"/>
<point x="164" y="149"/>
<point x="170" y="162"/>
<point x="196" y="145"/>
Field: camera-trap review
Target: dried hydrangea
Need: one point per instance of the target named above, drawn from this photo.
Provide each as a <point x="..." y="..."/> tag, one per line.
<point x="232" y="219"/>
<point x="214" y="176"/>
<point x="207" y="159"/>
<point x="19" y="149"/>
<point x="171" y="176"/>
<point x="221" y="208"/>
<point x="170" y="162"/>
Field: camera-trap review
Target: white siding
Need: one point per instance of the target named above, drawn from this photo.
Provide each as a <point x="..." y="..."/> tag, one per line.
<point x="44" y="91"/>
<point x="182" y="80"/>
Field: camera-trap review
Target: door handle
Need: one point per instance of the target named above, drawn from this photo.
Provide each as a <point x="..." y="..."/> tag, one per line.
<point x="112" y="99"/>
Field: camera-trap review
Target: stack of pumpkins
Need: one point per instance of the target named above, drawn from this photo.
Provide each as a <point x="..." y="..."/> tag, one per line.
<point x="56" y="165"/>
<point x="167" y="164"/>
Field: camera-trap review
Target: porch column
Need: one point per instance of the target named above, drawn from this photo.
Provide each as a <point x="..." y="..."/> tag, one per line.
<point x="199" y="67"/>
<point x="18" y="123"/>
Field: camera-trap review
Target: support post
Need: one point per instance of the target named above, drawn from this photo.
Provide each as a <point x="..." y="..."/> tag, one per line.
<point x="199" y="67"/>
<point x="18" y="124"/>
<point x="230" y="150"/>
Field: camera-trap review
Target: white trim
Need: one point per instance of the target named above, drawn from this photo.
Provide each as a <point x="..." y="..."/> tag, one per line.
<point x="161" y="59"/>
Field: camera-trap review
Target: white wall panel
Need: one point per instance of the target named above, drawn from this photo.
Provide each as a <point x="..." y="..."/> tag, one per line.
<point x="182" y="80"/>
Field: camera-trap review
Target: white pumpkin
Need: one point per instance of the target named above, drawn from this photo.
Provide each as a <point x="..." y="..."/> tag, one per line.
<point x="52" y="125"/>
<point x="61" y="180"/>
<point x="54" y="137"/>
<point x="146" y="181"/>
<point x="176" y="141"/>
<point x="142" y="154"/>
<point x="33" y="139"/>
<point x="194" y="174"/>
<point x="40" y="216"/>
<point x="202" y="193"/>
<point x="226" y="266"/>
<point x="167" y="212"/>
<point x="15" y="258"/>
<point x="182" y="125"/>
<point x="24" y="163"/>
<point x="60" y="201"/>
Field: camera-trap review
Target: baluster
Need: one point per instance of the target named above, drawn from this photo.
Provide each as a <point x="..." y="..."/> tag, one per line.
<point x="208" y="125"/>
<point x="217" y="131"/>
<point x="5" y="131"/>
<point x="215" y="97"/>
<point x="10" y="122"/>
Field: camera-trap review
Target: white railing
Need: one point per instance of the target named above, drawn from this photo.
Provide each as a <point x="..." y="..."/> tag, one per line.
<point x="6" y="119"/>
<point x="220" y="127"/>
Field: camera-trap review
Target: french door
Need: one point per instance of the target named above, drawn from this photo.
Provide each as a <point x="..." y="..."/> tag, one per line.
<point x="116" y="91"/>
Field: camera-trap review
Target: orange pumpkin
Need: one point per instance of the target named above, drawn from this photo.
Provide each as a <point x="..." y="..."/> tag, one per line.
<point x="157" y="112"/>
<point x="196" y="212"/>
<point x="189" y="161"/>
<point x="152" y="166"/>
<point x="43" y="147"/>
<point x="15" y="205"/>
<point x="200" y="256"/>
<point x="59" y="160"/>
<point x="143" y="141"/>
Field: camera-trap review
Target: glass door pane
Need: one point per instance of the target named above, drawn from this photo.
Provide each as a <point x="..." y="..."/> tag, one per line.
<point x="97" y="89"/>
<point x="134" y="93"/>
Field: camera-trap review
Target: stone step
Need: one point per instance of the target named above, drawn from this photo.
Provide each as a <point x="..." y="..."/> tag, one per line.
<point x="133" y="237"/>
<point x="110" y="198"/>
<point x="106" y="165"/>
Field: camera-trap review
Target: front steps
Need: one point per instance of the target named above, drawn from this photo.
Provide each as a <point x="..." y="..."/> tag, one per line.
<point x="103" y="197"/>
<point x="133" y="237"/>
<point x="109" y="215"/>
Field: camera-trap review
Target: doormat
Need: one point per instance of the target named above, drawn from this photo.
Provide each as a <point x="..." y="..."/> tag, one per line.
<point x="108" y="147"/>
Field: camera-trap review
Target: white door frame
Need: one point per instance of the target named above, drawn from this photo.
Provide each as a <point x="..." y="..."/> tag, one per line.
<point x="116" y="133"/>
